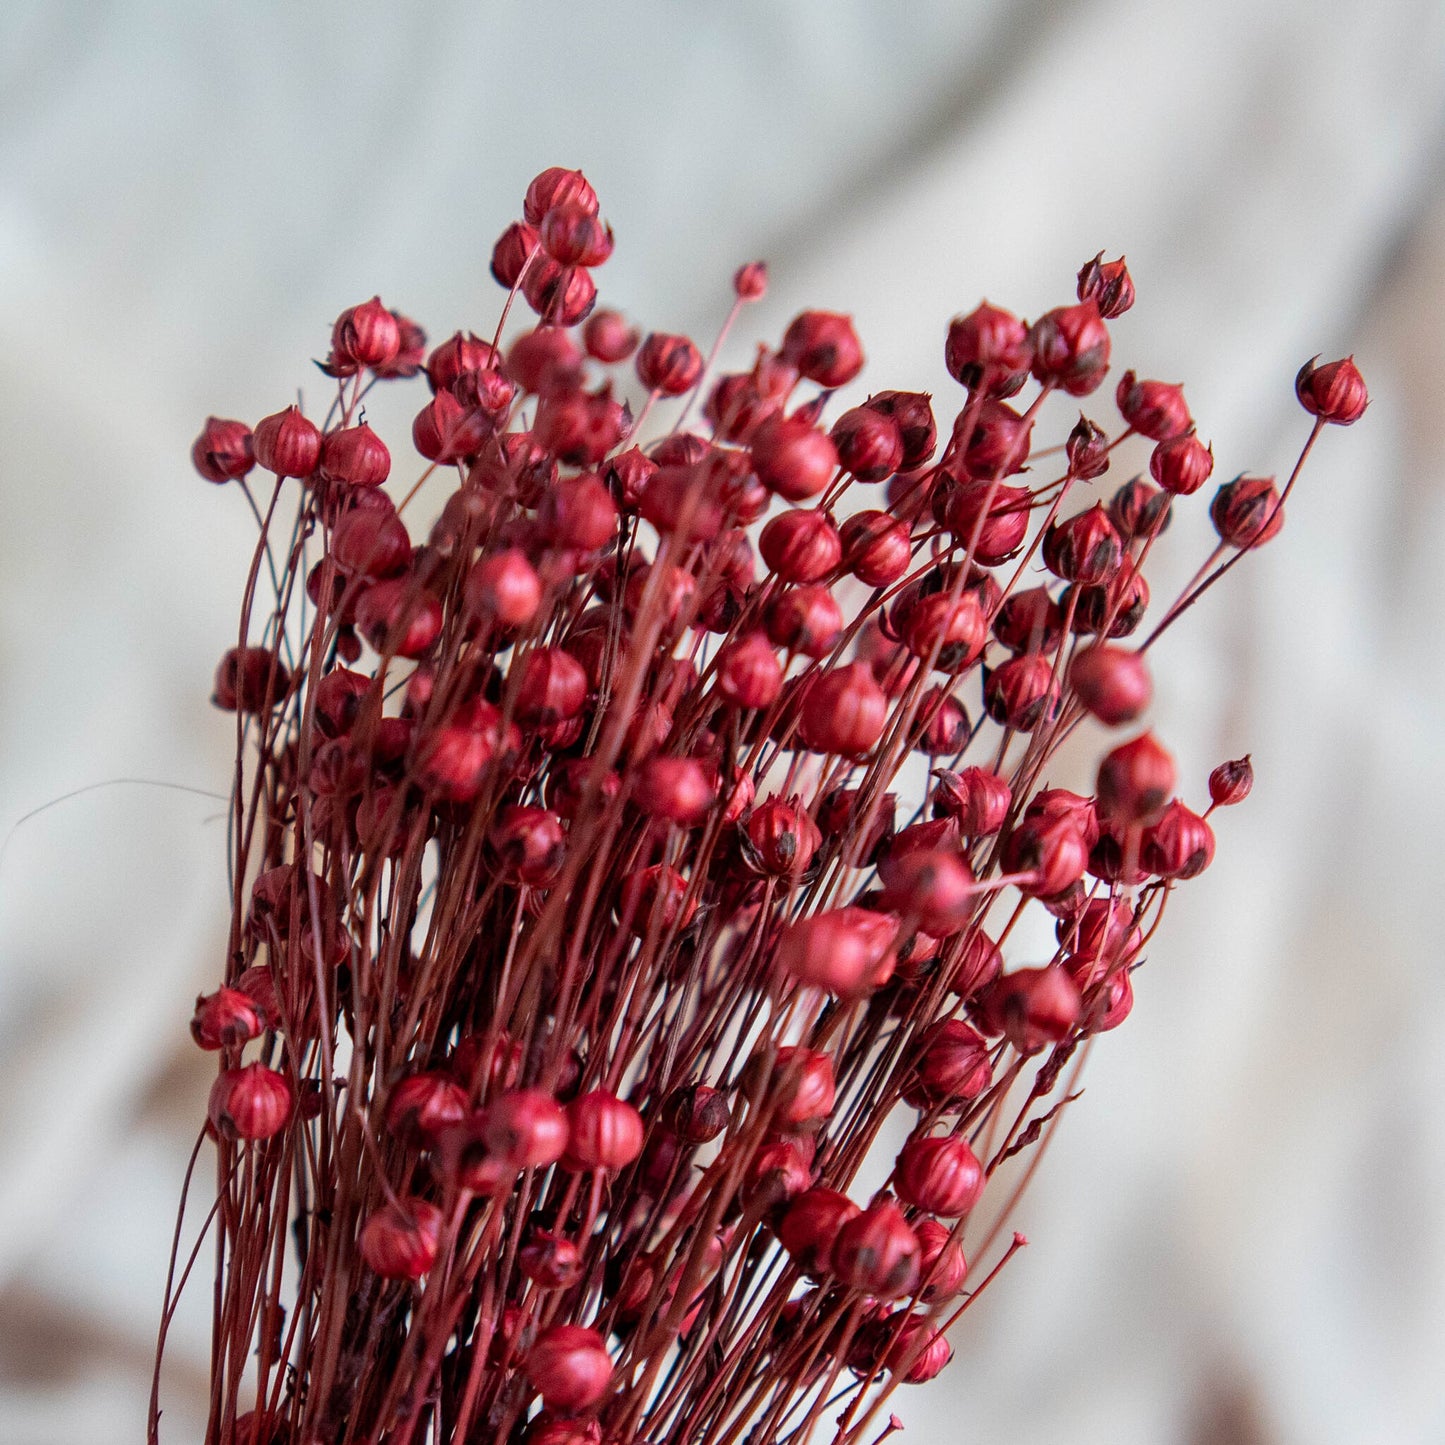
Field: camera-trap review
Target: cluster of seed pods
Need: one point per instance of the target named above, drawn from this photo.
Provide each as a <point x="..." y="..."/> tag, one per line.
<point x="582" y="947"/>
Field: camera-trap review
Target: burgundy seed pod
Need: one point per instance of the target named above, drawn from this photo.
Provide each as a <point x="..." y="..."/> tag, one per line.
<point x="1179" y="845"/>
<point x="578" y="513"/>
<point x="844" y="711"/>
<point x="678" y="495"/>
<point x="781" y="838"/>
<point x="1022" y="693"/>
<point x="1050" y="851"/>
<point x="1182" y="464"/>
<point x="445" y="430"/>
<point x="810" y="1226"/>
<point x="945" y="723"/>
<point x="656" y="898"/>
<point x="560" y="295"/>
<point x="668" y="364"/>
<point x="979" y="962"/>
<point x="696" y="1113"/>
<point x="509" y="255"/>
<point x="995" y="441"/>
<point x="1059" y="804"/>
<point x="504" y="586"/>
<point x="842" y="950"/>
<point x="529" y="845"/>
<point x="748" y="671"/>
<point x="400" y="1241"/>
<point x="877" y="548"/>
<point x="935" y="888"/>
<point x="936" y="835"/>
<point x="1029" y="621"/>
<point x="422" y="1105"/>
<point x="1070" y="348"/>
<point x="579" y="428"/>
<point x="951" y="630"/>
<point x="775" y="1174"/>
<point x="250" y="680"/>
<point x="526" y="1129"/>
<point x="393" y="615"/>
<point x="1108" y="285"/>
<point x="226" y="1019"/>
<point x="975" y="799"/>
<point x="824" y="347"/>
<point x="462" y="354"/>
<point x="1155" y="409"/>
<point x="804" y="619"/>
<point x="223" y="452"/>
<point x="250" y="1103"/>
<point x="371" y="544"/>
<point x="608" y="337"/>
<point x="952" y="1066"/>
<point x="1102" y="937"/>
<point x="1135" y="781"/>
<point x="939" y="1176"/>
<point x="572" y="235"/>
<point x="801" y="1087"/>
<point x="627" y="475"/>
<point x="1138" y="509"/>
<point x="550" y="1261"/>
<point x="259" y="985"/>
<point x="750" y="281"/>
<point x="988" y="351"/>
<point x="869" y="443"/>
<point x="545" y="360"/>
<point x="355" y="456"/>
<point x="1230" y="783"/>
<point x="1001" y="530"/>
<point x="877" y="1252"/>
<point x="366" y="335"/>
<point x="1124" y="599"/>
<point x="552" y="687"/>
<point x="1111" y="682"/>
<point x="1247" y="512"/>
<point x="741" y="402"/>
<point x="1033" y="1007"/>
<point x="1088" y="450"/>
<point x="606" y="1132"/>
<point x="913" y="413"/>
<point x="410" y="353"/>
<point x="792" y="458"/>
<point x="1085" y="548"/>
<point x="917" y="1348"/>
<point x="677" y="789"/>
<point x="801" y="546"/>
<point x="287" y="444"/>
<point x="569" y="1367"/>
<point x="1334" y="392"/>
<point x="941" y="1262"/>
<point x="557" y="186"/>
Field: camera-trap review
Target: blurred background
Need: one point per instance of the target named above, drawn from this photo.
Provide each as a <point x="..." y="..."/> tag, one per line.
<point x="1239" y="1237"/>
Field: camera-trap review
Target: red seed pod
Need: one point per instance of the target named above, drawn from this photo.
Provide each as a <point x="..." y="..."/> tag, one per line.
<point x="800" y="1088"/>
<point x="950" y="630"/>
<point x="400" y="1241"/>
<point x="226" y="1019"/>
<point x="223" y="452"/>
<point x="365" y="335"/>
<point x="1135" y="781"/>
<point x="1029" y="621"/>
<point x="1230" y="783"/>
<point x="1022" y="693"/>
<point x="750" y="281"/>
<point x="608" y="337"/>
<point x="942" y="1265"/>
<point x="1114" y="857"/>
<point x="1101" y="938"/>
<point x="1070" y="348"/>
<point x="287" y="444"/>
<point x="945" y="725"/>
<point x="371" y="544"/>
<point x="509" y="255"/>
<point x="677" y="789"/>
<point x="1334" y="392"/>
<point x="975" y="799"/>
<point x="504" y="586"/>
<point x="552" y="687"/>
<point x="250" y="1103"/>
<point x="1032" y="1007"/>
<point x="1179" y="845"/>
<point x="1111" y="682"/>
<point x="804" y="619"/>
<point x="579" y="428"/>
<point x="979" y="962"/>
<point x="824" y="347"/>
<point x="810" y="1226"/>
<point x="560" y="295"/>
<point x="678" y="497"/>
<point x="529" y="845"/>
<point x="1155" y="409"/>
<point x="557" y="186"/>
<point x="606" y="1132"/>
<point x="1108" y="285"/>
<point x="1059" y="804"/>
<point x="739" y="403"/>
<point x="1181" y="464"/>
<point x="463" y="1158"/>
<point x="748" y="671"/>
<point x="939" y="1176"/>
<point x="876" y="548"/>
<point x="550" y="1261"/>
<point x="913" y="413"/>
<point x="877" y="1252"/>
<point x="910" y="1344"/>
<point x="1120" y="603"/>
<point x="668" y="364"/>
<point x="1247" y="512"/>
<point x="869" y="443"/>
<point x="792" y="458"/>
<point x="1138" y="509"/>
<point x="445" y="430"/>
<point x="545" y="360"/>
<point x="356" y="457"/>
<point x="1085" y="548"/>
<point x="988" y="351"/>
<point x="656" y="898"/>
<point x="628" y="474"/>
<point x="842" y="950"/>
<point x="1001" y="530"/>
<point x="844" y="711"/>
<point x="394" y="616"/>
<point x="781" y="839"/>
<point x="578" y="513"/>
<point x="1088" y="450"/>
<point x="526" y="1129"/>
<point x="952" y="1066"/>
<point x="994" y="439"/>
<point x="250" y="680"/>
<point x="572" y="235"/>
<point x="569" y="1367"/>
<point x="422" y="1105"/>
<point x="918" y="839"/>
<point x="801" y="546"/>
<point x="462" y="354"/>
<point x="410" y="353"/>
<point x="935" y="889"/>
<point x="696" y="1113"/>
<point x="775" y="1174"/>
<point x="1050" y="851"/>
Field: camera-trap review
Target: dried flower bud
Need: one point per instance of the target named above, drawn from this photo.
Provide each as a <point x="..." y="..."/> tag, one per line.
<point x="1230" y="783"/>
<point x="913" y="412"/>
<point x="994" y="439"/>
<point x="810" y="1226"/>
<point x="557" y="186"/>
<point x="943" y="721"/>
<point x="999" y="531"/>
<point x="223" y="451"/>
<point x="1088" y="450"/>
<point x="942" y="1265"/>
<point x="988" y="351"/>
<point x="504" y="586"/>
<point x="935" y="888"/>
<point x="1108" y="285"/>
<point x="975" y="799"/>
<point x="395" y="617"/>
<point x="939" y="1176"/>
<point x="1138" y="509"/>
<point x="550" y="1261"/>
<point x="1112" y="683"/>
<point x="526" y="1129"/>
<point x="1155" y="409"/>
<point x="422" y="1105"/>
<point x="978" y="963"/>
<point x="355" y="456"/>
<point x="696" y="1113"/>
<point x="1120" y="604"/>
<point x="777" y="1173"/>
<point x="1135" y="781"/>
<point x="1334" y="392"/>
<point x="655" y="899"/>
<point x="1033" y="1007"/>
<point x="287" y="444"/>
<point x="445" y="430"/>
<point x="1247" y="512"/>
<point x="844" y="711"/>
<point x="800" y="1088"/>
<point x="1029" y="621"/>
<point x="950" y="630"/>
<point x="668" y="364"/>
<point x="877" y="1252"/>
<point x="805" y="619"/>
<point x="876" y="547"/>
<point x="1070" y="348"/>
<point x="606" y="1132"/>
<point x="781" y="839"/>
<point x="569" y="1367"/>
<point x="581" y="427"/>
<point x="869" y="443"/>
<point x="824" y="347"/>
<point x="560" y="295"/>
<point x="792" y="458"/>
<point x="608" y="337"/>
<point x="400" y="1241"/>
<point x="842" y="950"/>
<point x="510" y="255"/>
<point x="365" y="335"/>
<point x="1085" y="548"/>
<point x="801" y="546"/>
<point x="226" y="1019"/>
<point x="677" y="789"/>
<point x="1022" y="692"/>
<point x="529" y="845"/>
<point x="1052" y="852"/>
<point x="1100" y="939"/>
<point x="1179" y="845"/>
<point x="1181" y="464"/>
<point x="952" y="1066"/>
<point x="545" y="360"/>
<point x="250" y="680"/>
<point x="250" y="1103"/>
<point x="572" y="235"/>
<point x="462" y="354"/>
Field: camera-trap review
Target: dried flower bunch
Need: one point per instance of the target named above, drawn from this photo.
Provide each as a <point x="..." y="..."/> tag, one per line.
<point x="581" y="948"/>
